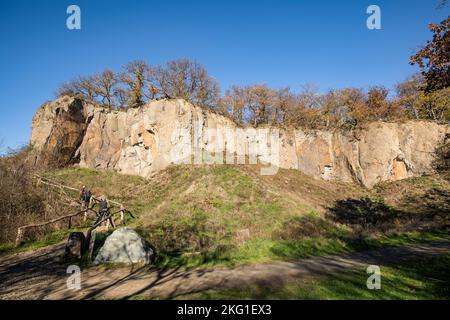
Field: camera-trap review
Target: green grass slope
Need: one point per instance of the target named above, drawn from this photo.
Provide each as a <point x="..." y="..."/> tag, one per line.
<point x="197" y="215"/>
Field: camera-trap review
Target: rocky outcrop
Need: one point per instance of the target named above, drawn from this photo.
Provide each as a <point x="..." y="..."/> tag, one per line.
<point x="58" y="129"/>
<point x="144" y="140"/>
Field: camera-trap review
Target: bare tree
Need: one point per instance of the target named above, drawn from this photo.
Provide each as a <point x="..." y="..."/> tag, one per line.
<point x="83" y="87"/>
<point x="284" y="102"/>
<point x="135" y="79"/>
<point x="409" y="94"/>
<point x="65" y="89"/>
<point x="106" y="88"/>
<point x="86" y="87"/>
<point x="442" y="4"/>
<point x="188" y="80"/>
<point x="121" y="95"/>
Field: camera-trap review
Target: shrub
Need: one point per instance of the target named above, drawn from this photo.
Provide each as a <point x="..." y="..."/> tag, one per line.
<point x="21" y="200"/>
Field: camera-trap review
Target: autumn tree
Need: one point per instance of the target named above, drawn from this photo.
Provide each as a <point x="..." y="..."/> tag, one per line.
<point x="421" y="105"/>
<point x="284" y="102"/>
<point x="259" y="101"/>
<point x="259" y="104"/>
<point x="333" y="109"/>
<point x="436" y="105"/>
<point x="354" y="102"/>
<point x="434" y="58"/>
<point x="306" y="112"/>
<point x="380" y="107"/>
<point x="233" y="103"/>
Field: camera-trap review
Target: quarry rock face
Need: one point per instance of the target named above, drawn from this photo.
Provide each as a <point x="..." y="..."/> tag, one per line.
<point x="60" y="127"/>
<point x="144" y="140"/>
<point x="124" y="246"/>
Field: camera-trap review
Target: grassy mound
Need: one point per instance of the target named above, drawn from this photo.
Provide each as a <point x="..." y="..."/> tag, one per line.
<point x="196" y="215"/>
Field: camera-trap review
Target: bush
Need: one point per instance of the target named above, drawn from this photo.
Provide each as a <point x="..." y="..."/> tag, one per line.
<point x="442" y="156"/>
<point x="22" y="202"/>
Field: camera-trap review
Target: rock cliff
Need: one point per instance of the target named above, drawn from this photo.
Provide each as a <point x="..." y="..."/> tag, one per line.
<point x="144" y="140"/>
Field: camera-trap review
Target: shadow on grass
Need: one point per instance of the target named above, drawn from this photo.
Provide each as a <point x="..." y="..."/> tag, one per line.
<point x="188" y="260"/>
<point x="434" y="203"/>
<point x="428" y="211"/>
<point x="365" y="213"/>
<point x="425" y="278"/>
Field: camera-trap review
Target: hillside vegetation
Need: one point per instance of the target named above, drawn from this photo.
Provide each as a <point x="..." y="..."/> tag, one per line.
<point x="222" y="214"/>
<point x="22" y="201"/>
<point x="197" y="215"/>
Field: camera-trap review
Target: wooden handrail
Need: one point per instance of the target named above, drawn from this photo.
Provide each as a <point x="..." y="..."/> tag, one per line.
<point x="20" y="230"/>
<point x="58" y="185"/>
<point x="109" y="216"/>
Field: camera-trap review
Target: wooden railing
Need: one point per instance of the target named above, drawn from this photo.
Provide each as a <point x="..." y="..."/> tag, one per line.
<point x="21" y="230"/>
<point x="51" y="183"/>
<point x="108" y="218"/>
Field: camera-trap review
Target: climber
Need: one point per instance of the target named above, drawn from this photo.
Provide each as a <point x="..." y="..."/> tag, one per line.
<point x="83" y="189"/>
<point x="86" y="199"/>
<point x="82" y="193"/>
<point x="103" y="209"/>
<point x="85" y="196"/>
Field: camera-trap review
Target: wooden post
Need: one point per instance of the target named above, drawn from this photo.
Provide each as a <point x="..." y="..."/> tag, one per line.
<point x="111" y="221"/>
<point x="91" y="244"/>
<point x="122" y="214"/>
<point x="19" y="237"/>
<point x="70" y="222"/>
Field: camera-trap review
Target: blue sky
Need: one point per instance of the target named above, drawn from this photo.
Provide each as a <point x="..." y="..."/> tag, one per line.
<point x="279" y="43"/>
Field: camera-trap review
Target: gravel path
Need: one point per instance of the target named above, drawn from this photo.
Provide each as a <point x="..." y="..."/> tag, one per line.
<point x="40" y="275"/>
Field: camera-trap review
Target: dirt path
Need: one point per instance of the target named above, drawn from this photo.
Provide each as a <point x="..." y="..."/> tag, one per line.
<point x="39" y="275"/>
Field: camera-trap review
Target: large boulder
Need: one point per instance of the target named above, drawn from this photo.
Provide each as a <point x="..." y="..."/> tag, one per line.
<point x="124" y="246"/>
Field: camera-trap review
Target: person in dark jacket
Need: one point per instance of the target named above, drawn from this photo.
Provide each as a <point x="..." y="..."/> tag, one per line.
<point x="85" y="199"/>
<point x="103" y="208"/>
